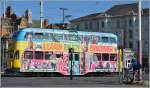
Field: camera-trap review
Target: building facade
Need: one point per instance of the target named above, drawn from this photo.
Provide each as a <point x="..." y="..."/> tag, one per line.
<point x="121" y="20"/>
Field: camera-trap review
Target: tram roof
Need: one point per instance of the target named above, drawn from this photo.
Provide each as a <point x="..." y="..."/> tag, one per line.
<point x="61" y="31"/>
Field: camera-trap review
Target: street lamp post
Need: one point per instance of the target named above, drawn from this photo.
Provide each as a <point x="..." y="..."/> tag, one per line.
<point x="63" y="14"/>
<point x="140" y="42"/>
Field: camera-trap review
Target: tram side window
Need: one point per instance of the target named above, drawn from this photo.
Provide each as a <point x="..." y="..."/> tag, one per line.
<point x="46" y="36"/>
<point x="105" y="39"/>
<point x="58" y="55"/>
<point x="72" y="37"/>
<point x="105" y="57"/>
<point x="28" y="55"/>
<point x="80" y="38"/>
<point x="99" y="39"/>
<point x="113" y="57"/>
<point x="38" y="35"/>
<point x="98" y="56"/>
<point x="38" y="55"/>
<point x="47" y="55"/>
<point x="58" y="37"/>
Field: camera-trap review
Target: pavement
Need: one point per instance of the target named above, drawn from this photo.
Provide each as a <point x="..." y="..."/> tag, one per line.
<point x="66" y="82"/>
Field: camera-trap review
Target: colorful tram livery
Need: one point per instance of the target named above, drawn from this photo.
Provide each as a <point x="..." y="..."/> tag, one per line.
<point x="47" y="50"/>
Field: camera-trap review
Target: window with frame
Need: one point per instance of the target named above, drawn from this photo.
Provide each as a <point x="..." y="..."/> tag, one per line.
<point x="130" y="22"/>
<point x="99" y="39"/>
<point x="113" y="57"/>
<point x="46" y="36"/>
<point x="130" y="45"/>
<point x="130" y="34"/>
<point x="38" y="55"/>
<point x="102" y="24"/>
<point x="112" y="40"/>
<point x="78" y="26"/>
<point x="73" y="37"/>
<point x="80" y="37"/>
<point x="90" y="25"/>
<point x="89" y="39"/>
<point x="47" y="55"/>
<point x="105" y="57"/>
<point x="97" y="25"/>
<point x="98" y="56"/>
<point x="58" y="37"/>
<point x="86" y="26"/>
<point x="118" y="24"/>
<point x="28" y="55"/>
<point x="38" y="35"/>
<point x="105" y="39"/>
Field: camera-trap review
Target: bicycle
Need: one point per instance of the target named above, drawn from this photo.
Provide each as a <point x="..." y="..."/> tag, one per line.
<point x="128" y="76"/>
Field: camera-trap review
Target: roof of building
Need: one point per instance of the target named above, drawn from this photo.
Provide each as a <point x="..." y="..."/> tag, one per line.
<point x="115" y="11"/>
<point x="87" y="17"/>
<point x="123" y="9"/>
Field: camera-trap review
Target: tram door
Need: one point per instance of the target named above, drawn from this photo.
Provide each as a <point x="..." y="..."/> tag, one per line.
<point x="75" y="64"/>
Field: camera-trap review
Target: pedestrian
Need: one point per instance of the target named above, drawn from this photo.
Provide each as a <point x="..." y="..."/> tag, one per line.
<point x="136" y="66"/>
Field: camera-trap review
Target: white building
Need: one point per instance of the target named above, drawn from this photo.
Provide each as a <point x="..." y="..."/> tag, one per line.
<point x="121" y="20"/>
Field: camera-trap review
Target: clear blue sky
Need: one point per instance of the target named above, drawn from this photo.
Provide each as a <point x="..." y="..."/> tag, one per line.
<point x="75" y="8"/>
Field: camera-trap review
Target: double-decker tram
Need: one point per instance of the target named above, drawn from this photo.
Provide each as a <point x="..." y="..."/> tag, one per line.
<point x="47" y="50"/>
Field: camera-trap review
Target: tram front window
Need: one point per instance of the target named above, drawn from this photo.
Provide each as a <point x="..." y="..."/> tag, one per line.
<point x="28" y="55"/>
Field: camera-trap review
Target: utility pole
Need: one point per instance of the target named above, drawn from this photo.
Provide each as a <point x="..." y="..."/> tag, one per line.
<point x="140" y="41"/>
<point x="63" y="14"/>
<point x="0" y="38"/>
<point x="68" y="16"/>
<point x="41" y="13"/>
<point x="4" y="2"/>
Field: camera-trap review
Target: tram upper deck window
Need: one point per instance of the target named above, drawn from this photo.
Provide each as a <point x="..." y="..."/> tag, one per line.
<point x="105" y="39"/>
<point x="112" y="40"/>
<point x="113" y="57"/>
<point x="72" y="37"/>
<point x="57" y="37"/>
<point x="38" y="55"/>
<point x="105" y="57"/>
<point x="46" y="36"/>
<point x="38" y="35"/>
<point x="28" y="55"/>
